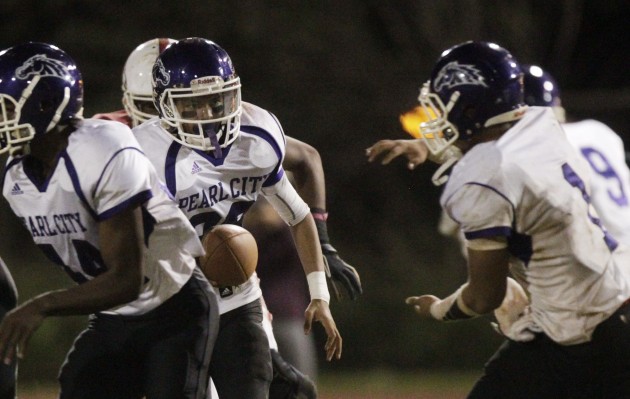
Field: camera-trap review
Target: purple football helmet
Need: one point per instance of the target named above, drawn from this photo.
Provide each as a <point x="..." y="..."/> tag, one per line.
<point x="198" y="94"/>
<point x="40" y="87"/>
<point x="473" y="85"/>
<point x="542" y="90"/>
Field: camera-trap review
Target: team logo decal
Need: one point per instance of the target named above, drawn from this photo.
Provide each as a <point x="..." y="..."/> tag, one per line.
<point x="456" y="74"/>
<point x="43" y="66"/>
<point x="160" y="74"/>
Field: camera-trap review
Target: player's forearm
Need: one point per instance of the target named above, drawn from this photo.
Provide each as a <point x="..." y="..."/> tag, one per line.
<point x="103" y="292"/>
<point x="307" y="244"/>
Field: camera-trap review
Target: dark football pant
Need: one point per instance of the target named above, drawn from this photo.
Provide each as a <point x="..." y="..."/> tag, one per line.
<point x="241" y="362"/>
<point x="163" y="354"/>
<point x="599" y="369"/>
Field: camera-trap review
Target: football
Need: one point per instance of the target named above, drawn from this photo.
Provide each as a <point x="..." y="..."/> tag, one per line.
<point x="231" y="255"/>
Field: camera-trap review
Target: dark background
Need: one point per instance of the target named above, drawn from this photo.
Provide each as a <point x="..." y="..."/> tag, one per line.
<point x="337" y="74"/>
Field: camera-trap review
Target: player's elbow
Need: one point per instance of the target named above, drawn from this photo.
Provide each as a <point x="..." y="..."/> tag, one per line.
<point x="311" y="153"/>
<point x="308" y="159"/>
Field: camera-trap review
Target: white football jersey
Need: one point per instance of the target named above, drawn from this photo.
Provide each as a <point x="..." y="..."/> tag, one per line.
<point x="610" y="177"/>
<point x="213" y="191"/>
<point x="102" y="172"/>
<point x="532" y="187"/>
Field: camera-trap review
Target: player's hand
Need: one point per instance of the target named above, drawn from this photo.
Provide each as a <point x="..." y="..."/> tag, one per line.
<point x="422" y="304"/>
<point x="415" y="151"/>
<point x="515" y="304"/>
<point x="341" y="274"/>
<point x="318" y="310"/>
<point x="514" y="319"/>
<point x="338" y="272"/>
<point x="16" y="329"/>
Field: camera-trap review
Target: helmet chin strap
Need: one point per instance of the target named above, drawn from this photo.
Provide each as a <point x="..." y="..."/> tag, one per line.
<point x="60" y="109"/>
<point x="441" y="174"/>
<point x="28" y="91"/>
<point x="214" y="140"/>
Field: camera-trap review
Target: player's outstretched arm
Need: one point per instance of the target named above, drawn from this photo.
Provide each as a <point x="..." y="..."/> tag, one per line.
<point x="121" y="246"/>
<point x="305" y="163"/>
<point x="385" y="151"/>
<point x="307" y="244"/>
<point x="482" y="293"/>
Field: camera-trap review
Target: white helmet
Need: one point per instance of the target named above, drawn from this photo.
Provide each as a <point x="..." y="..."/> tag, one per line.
<point x="137" y="81"/>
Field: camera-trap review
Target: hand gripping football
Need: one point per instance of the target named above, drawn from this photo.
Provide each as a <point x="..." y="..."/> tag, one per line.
<point x="231" y="255"/>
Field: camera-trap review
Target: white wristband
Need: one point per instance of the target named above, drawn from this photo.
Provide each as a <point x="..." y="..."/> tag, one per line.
<point x="439" y="308"/>
<point x="452" y="307"/>
<point x="317" y="286"/>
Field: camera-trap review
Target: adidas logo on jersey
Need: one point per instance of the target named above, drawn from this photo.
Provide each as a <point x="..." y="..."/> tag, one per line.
<point x="16" y="190"/>
<point x="195" y="168"/>
<point x="225" y="291"/>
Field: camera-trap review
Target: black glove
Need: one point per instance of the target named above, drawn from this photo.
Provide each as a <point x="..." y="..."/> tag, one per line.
<point x="288" y="382"/>
<point x="337" y="270"/>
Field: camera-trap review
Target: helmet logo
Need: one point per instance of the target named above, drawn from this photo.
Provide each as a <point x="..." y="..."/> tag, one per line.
<point x="207" y="82"/>
<point x="456" y="74"/>
<point x="159" y="73"/>
<point x="43" y="66"/>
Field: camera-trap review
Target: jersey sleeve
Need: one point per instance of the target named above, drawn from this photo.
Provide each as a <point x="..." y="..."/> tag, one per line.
<point x="278" y="143"/>
<point x="481" y="210"/>
<point x="264" y="124"/>
<point x="125" y="181"/>
<point x="286" y="201"/>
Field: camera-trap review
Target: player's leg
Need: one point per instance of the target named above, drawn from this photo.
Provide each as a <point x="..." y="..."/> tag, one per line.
<point x="241" y="362"/>
<point x="99" y="366"/>
<point x="288" y="382"/>
<point x="522" y="370"/>
<point x="296" y="347"/>
<point x="612" y="344"/>
<point x="179" y="338"/>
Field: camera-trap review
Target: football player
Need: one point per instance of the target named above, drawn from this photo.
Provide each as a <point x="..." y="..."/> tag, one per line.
<point x="217" y="154"/>
<point x="95" y="206"/>
<point x="301" y="159"/>
<point x="600" y="146"/>
<point x="521" y="195"/>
